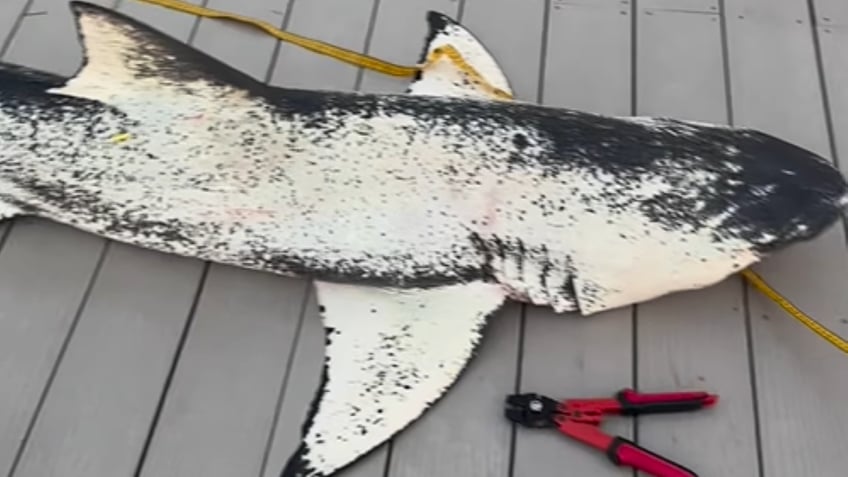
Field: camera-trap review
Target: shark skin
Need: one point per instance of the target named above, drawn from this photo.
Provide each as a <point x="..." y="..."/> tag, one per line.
<point x="416" y="215"/>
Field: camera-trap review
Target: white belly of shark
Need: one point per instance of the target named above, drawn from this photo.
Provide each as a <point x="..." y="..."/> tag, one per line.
<point x="248" y="188"/>
<point x="416" y="216"/>
<point x="384" y="196"/>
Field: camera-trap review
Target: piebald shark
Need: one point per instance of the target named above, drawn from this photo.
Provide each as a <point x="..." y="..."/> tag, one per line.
<point x="416" y="215"/>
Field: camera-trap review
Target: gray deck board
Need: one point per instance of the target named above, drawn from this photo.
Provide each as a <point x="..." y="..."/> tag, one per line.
<point x="569" y="356"/>
<point x="237" y="349"/>
<point x="519" y="55"/>
<point x="47" y="40"/>
<point x="347" y="24"/>
<point x="589" y="55"/>
<point x="228" y="41"/>
<point x="338" y="22"/>
<point x="799" y="380"/>
<point x="10" y="14"/>
<point x="464" y="433"/>
<point x="41" y="294"/>
<point x="127" y="335"/>
<point x="175" y="24"/>
<point x="831" y="12"/>
<point x="832" y="21"/>
<point x="97" y="413"/>
<point x="46" y="267"/>
<point x="693" y="340"/>
<point x="303" y="380"/>
<point x="89" y="334"/>
<point x="400" y="28"/>
<point x="479" y="446"/>
<point x="587" y="66"/>
<point x="221" y="405"/>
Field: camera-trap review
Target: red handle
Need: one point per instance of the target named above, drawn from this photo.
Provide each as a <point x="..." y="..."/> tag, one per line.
<point x="626" y="453"/>
<point x="634" y="403"/>
<point x="653" y="398"/>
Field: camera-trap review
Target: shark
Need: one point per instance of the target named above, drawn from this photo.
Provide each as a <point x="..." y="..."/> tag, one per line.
<point x="416" y="215"/>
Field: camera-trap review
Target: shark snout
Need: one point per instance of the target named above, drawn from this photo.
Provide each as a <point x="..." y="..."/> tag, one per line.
<point x="790" y="194"/>
<point x="803" y="209"/>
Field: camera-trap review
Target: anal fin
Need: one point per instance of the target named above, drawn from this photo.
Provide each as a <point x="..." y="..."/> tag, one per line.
<point x="391" y="353"/>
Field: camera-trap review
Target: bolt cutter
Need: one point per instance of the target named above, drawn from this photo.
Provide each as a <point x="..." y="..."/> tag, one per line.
<point x="581" y="419"/>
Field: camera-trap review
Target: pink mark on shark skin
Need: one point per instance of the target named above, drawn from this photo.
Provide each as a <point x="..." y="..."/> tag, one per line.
<point x="247" y="213"/>
<point x="490" y="212"/>
<point x="236" y="213"/>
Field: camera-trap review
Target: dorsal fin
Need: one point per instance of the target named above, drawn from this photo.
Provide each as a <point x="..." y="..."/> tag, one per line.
<point x="122" y="56"/>
<point x="444" y="78"/>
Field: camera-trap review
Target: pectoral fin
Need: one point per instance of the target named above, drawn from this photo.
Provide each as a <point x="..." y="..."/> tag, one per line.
<point x="391" y="353"/>
<point x="444" y="77"/>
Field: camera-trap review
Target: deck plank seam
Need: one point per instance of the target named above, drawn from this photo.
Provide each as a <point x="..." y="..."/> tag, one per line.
<point x="634" y="111"/>
<point x="366" y="48"/>
<point x="105" y="246"/>
<point x="821" y="64"/>
<point x="387" y="465"/>
<point x="825" y="94"/>
<point x="519" y="361"/>
<point x="281" y="397"/>
<point x="293" y="348"/>
<point x="746" y="306"/>
<point x="295" y="341"/>
<point x="725" y="53"/>
<point x="189" y="321"/>
<point x="54" y="370"/>
<point x="7" y="41"/>
<point x="9" y="223"/>
<point x="752" y="375"/>
<point x="360" y="76"/>
<point x="275" y="53"/>
<point x="6" y="231"/>
<point x="820" y="71"/>
<point x="166" y="387"/>
<point x="269" y="443"/>
<point x="543" y="56"/>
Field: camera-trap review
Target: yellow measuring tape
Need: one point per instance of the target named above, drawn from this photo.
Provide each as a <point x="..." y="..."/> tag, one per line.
<point x="391" y="69"/>
<point x="757" y="282"/>
<point x="337" y="52"/>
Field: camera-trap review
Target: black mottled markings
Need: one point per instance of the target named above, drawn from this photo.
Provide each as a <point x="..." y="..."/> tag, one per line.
<point x="480" y="245"/>
<point x="151" y="47"/>
<point x="547" y="266"/>
<point x="500" y="248"/>
<point x="520" y="141"/>
<point x="804" y="187"/>
<point x="520" y="254"/>
<point x="632" y="151"/>
<point x="568" y="287"/>
<point x="297" y="465"/>
<point x="22" y="77"/>
<point x="395" y="270"/>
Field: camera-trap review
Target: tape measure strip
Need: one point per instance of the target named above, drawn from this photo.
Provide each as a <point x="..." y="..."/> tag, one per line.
<point x="391" y="69"/>
<point x="333" y="51"/>
<point x="758" y="283"/>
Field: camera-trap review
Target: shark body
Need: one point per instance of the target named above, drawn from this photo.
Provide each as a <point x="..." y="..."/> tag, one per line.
<point x="417" y="215"/>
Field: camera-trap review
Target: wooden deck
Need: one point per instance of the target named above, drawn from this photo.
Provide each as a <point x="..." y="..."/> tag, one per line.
<point x="116" y="361"/>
